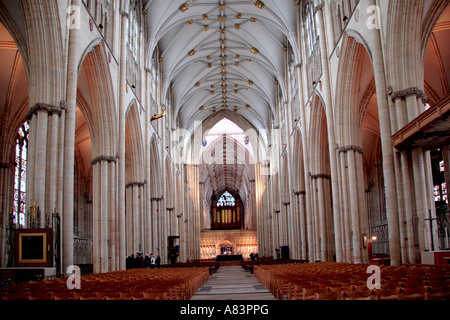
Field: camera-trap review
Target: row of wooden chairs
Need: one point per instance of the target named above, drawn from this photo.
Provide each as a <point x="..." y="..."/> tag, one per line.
<point x="248" y="265"/>
<point x="349" y="281"/>
<point x="136" y="284"/>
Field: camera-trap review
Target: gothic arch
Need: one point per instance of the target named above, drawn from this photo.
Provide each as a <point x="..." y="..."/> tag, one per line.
<point x="258" y="139"/>
<point x="102" y="113"/>
<point x="320" y="224"/>
<point x="435" y="54"/>
<point x="134" y="150"/>
<point x="300" y="197"/>
<point x="318" y="137"/>
<point x="359" y="152"/>
<point x="95" y="134"/>
<point x="45" y="48"/>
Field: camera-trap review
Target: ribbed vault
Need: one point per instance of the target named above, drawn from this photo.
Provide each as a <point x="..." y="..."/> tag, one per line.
<point x="223" y="54"/>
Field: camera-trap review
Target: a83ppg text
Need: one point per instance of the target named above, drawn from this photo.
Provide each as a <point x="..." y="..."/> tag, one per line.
<point x="229" y="309"/>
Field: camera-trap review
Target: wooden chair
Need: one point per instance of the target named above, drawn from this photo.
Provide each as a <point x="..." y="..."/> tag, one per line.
<point x="309" y="294"/>
<point x="16" y="296"/>
<point x="328" y="296"/>
<point x="359" y="295"/>
<point x="85" y="295"/>
<point x="61" y="295"/>
<point x="151" y="296"/>
<point x="413" y="284"/>
<point x="388" y="294"/>
<point x="413" y="293"/>
<point x="42" y="296"/>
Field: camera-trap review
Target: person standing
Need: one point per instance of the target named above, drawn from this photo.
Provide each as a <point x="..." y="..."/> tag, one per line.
<point x="147" y="262"/>
<point x="152" y="261"/>
<point x="158" y="261"/>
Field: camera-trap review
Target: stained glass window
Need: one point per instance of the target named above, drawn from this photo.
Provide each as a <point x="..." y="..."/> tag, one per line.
<point x="311" y="26"/>
<point x="226" y="200"/>
<point x="133" y="30"/>
<point x="437" y="193"/>
<point x="20" y="175"/>
<point x="444" y="192"/>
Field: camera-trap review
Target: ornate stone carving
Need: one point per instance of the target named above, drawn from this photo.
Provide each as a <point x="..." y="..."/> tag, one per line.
<point x="137" y="184"/>
<point x="103" y="158"/>
<point x="50" y="109"/>
<point x="321" y="176"/>
<point x="403" y="94"/>
<point x="351" y="148"/>
<point x="184" y="7"/>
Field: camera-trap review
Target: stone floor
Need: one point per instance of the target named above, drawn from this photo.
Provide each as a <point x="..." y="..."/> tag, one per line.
<point x="232" y="283"/>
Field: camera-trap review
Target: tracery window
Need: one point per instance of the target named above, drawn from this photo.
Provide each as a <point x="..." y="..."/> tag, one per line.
<point x="20" y="175"/>
<point x="226" y="212"/>
<point x="310" y="26"/>
<point x="226" y="200"/>
<point x="133" y="30"/>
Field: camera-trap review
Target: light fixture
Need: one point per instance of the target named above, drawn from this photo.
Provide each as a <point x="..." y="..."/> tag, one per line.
<point x="259" y="4"/>
<point x="184" y="7"/>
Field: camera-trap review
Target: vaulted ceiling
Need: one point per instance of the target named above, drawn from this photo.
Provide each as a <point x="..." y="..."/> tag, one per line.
<point x="222" y="54"/>
<point x="222" y="57"/>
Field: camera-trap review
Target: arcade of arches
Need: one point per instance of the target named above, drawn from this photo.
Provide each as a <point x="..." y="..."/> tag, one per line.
<point x="226" y="126"/>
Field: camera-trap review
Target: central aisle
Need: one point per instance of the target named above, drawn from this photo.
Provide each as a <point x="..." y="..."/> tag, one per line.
<point x="233" y="283"/>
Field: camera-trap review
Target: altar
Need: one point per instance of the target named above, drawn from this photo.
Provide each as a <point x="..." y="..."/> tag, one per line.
<point x="230" y="257"/>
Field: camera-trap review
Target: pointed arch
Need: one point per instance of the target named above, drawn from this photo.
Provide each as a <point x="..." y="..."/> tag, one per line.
<point x="134" y="146"/>
<point x="320" y="160"/>
<point x="102" y="115"/>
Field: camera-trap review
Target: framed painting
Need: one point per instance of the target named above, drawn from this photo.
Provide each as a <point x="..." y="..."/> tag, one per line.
<point x="33" y="248"/>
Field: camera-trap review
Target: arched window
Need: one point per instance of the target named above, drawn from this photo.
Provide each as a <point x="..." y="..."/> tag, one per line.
<point x="310" y="26"/>
<point x="20" y="175"/>
<point x="133" y="30"/>
<point x="226" y="212"/>
<point x="226" y="200"/>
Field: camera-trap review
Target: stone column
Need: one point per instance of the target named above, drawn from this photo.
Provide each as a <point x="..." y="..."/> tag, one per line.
<point x="320" y="217"/>
<point x="345" y="209"/>
<point x="122" y="136"/>
<point x="354" y="210"/>
<point x="115" y="259"/>
<point x="135" y="214"/>
<point x="53" y="162"/>
<point x="315" y="229"/>
<point x="330" y="121"/>
<point x="104" y="232"/>
<point x="95" y="216"/>
<point x="155" y="225"/>
<point x="103" y="211"/>
<point x="387" y="147"/>
<point x="405" y="196"/>
<point x="69" y="145"/>
<point x="44" y="142"/>
<point x="6" y="185"/>
<point x="40" y="164"/>
<point x="301" y="195"/>
<point x="363" y="219"/>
